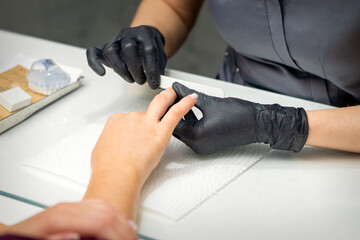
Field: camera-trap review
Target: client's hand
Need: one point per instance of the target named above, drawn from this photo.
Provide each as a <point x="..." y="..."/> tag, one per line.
<point x="93" y="218"/>
<point x="136" y="141"/>
<point x="130" y="147"/>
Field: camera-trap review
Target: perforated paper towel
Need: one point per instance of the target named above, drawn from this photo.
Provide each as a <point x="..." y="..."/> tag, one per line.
<point x="180" y="183"/>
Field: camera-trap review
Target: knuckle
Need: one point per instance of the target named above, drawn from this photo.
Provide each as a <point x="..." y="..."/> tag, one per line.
<point x="125" y="30"/>
<point x="134" y="115"/>
<point x="115" y="117"/>
<point x="110" y="49"/>
<point x="129" y="45"/>
<point x="162" y="97"/>
<point x="176" y="111"/>
<point x="150" y="50"/>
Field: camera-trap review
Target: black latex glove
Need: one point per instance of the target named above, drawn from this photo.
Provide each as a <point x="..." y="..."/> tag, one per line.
<point x="131" y="52"/>
<point x="231" y="122"/>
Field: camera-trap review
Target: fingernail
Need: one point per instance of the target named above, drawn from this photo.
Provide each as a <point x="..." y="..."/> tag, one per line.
<point x="133" y="224"/>
<point x="193" y="96"/>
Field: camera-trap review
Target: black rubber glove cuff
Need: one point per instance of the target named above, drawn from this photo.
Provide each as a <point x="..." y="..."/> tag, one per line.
<point x="284" y="128"/>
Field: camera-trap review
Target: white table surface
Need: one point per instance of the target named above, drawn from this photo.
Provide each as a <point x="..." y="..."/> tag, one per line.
<point x="314" y="194"/>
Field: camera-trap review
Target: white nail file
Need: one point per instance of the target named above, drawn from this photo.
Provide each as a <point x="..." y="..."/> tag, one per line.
<point x="166" y="82"/>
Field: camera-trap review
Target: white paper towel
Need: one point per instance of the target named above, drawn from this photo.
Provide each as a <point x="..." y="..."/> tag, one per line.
<point x="181" y="182"/>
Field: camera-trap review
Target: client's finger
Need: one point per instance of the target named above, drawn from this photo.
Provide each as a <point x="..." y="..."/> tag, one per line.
<point x="161" y="103"/>
<point x="177" y="111"/>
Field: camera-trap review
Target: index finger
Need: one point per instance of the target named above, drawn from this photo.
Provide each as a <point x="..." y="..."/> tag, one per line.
<point x="161" y="103"/>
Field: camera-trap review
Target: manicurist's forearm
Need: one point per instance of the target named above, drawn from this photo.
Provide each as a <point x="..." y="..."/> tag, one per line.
<point x="335" y="128"/>
<point x="173" y="18"/>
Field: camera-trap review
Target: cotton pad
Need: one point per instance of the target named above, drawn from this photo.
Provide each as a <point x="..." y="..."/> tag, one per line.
<point x="14" y="98"/>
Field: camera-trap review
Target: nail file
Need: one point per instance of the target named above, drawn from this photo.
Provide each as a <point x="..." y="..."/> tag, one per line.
<point x="166" y="82"/>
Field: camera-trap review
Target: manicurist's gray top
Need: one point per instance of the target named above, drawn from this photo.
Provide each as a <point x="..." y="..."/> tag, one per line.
<point x="308" y="49"/>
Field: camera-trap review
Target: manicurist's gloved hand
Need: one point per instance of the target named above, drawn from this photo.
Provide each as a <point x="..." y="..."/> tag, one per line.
<point x="132" y="51"/>
<point x="231" y="122"/>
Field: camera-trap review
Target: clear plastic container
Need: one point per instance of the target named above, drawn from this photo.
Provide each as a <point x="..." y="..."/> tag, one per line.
<point x="46" y="77"/>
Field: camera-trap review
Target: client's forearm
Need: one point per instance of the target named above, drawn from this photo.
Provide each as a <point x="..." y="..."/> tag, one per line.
<point x="119" y="187"/>
<point x="2" y="228"/>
